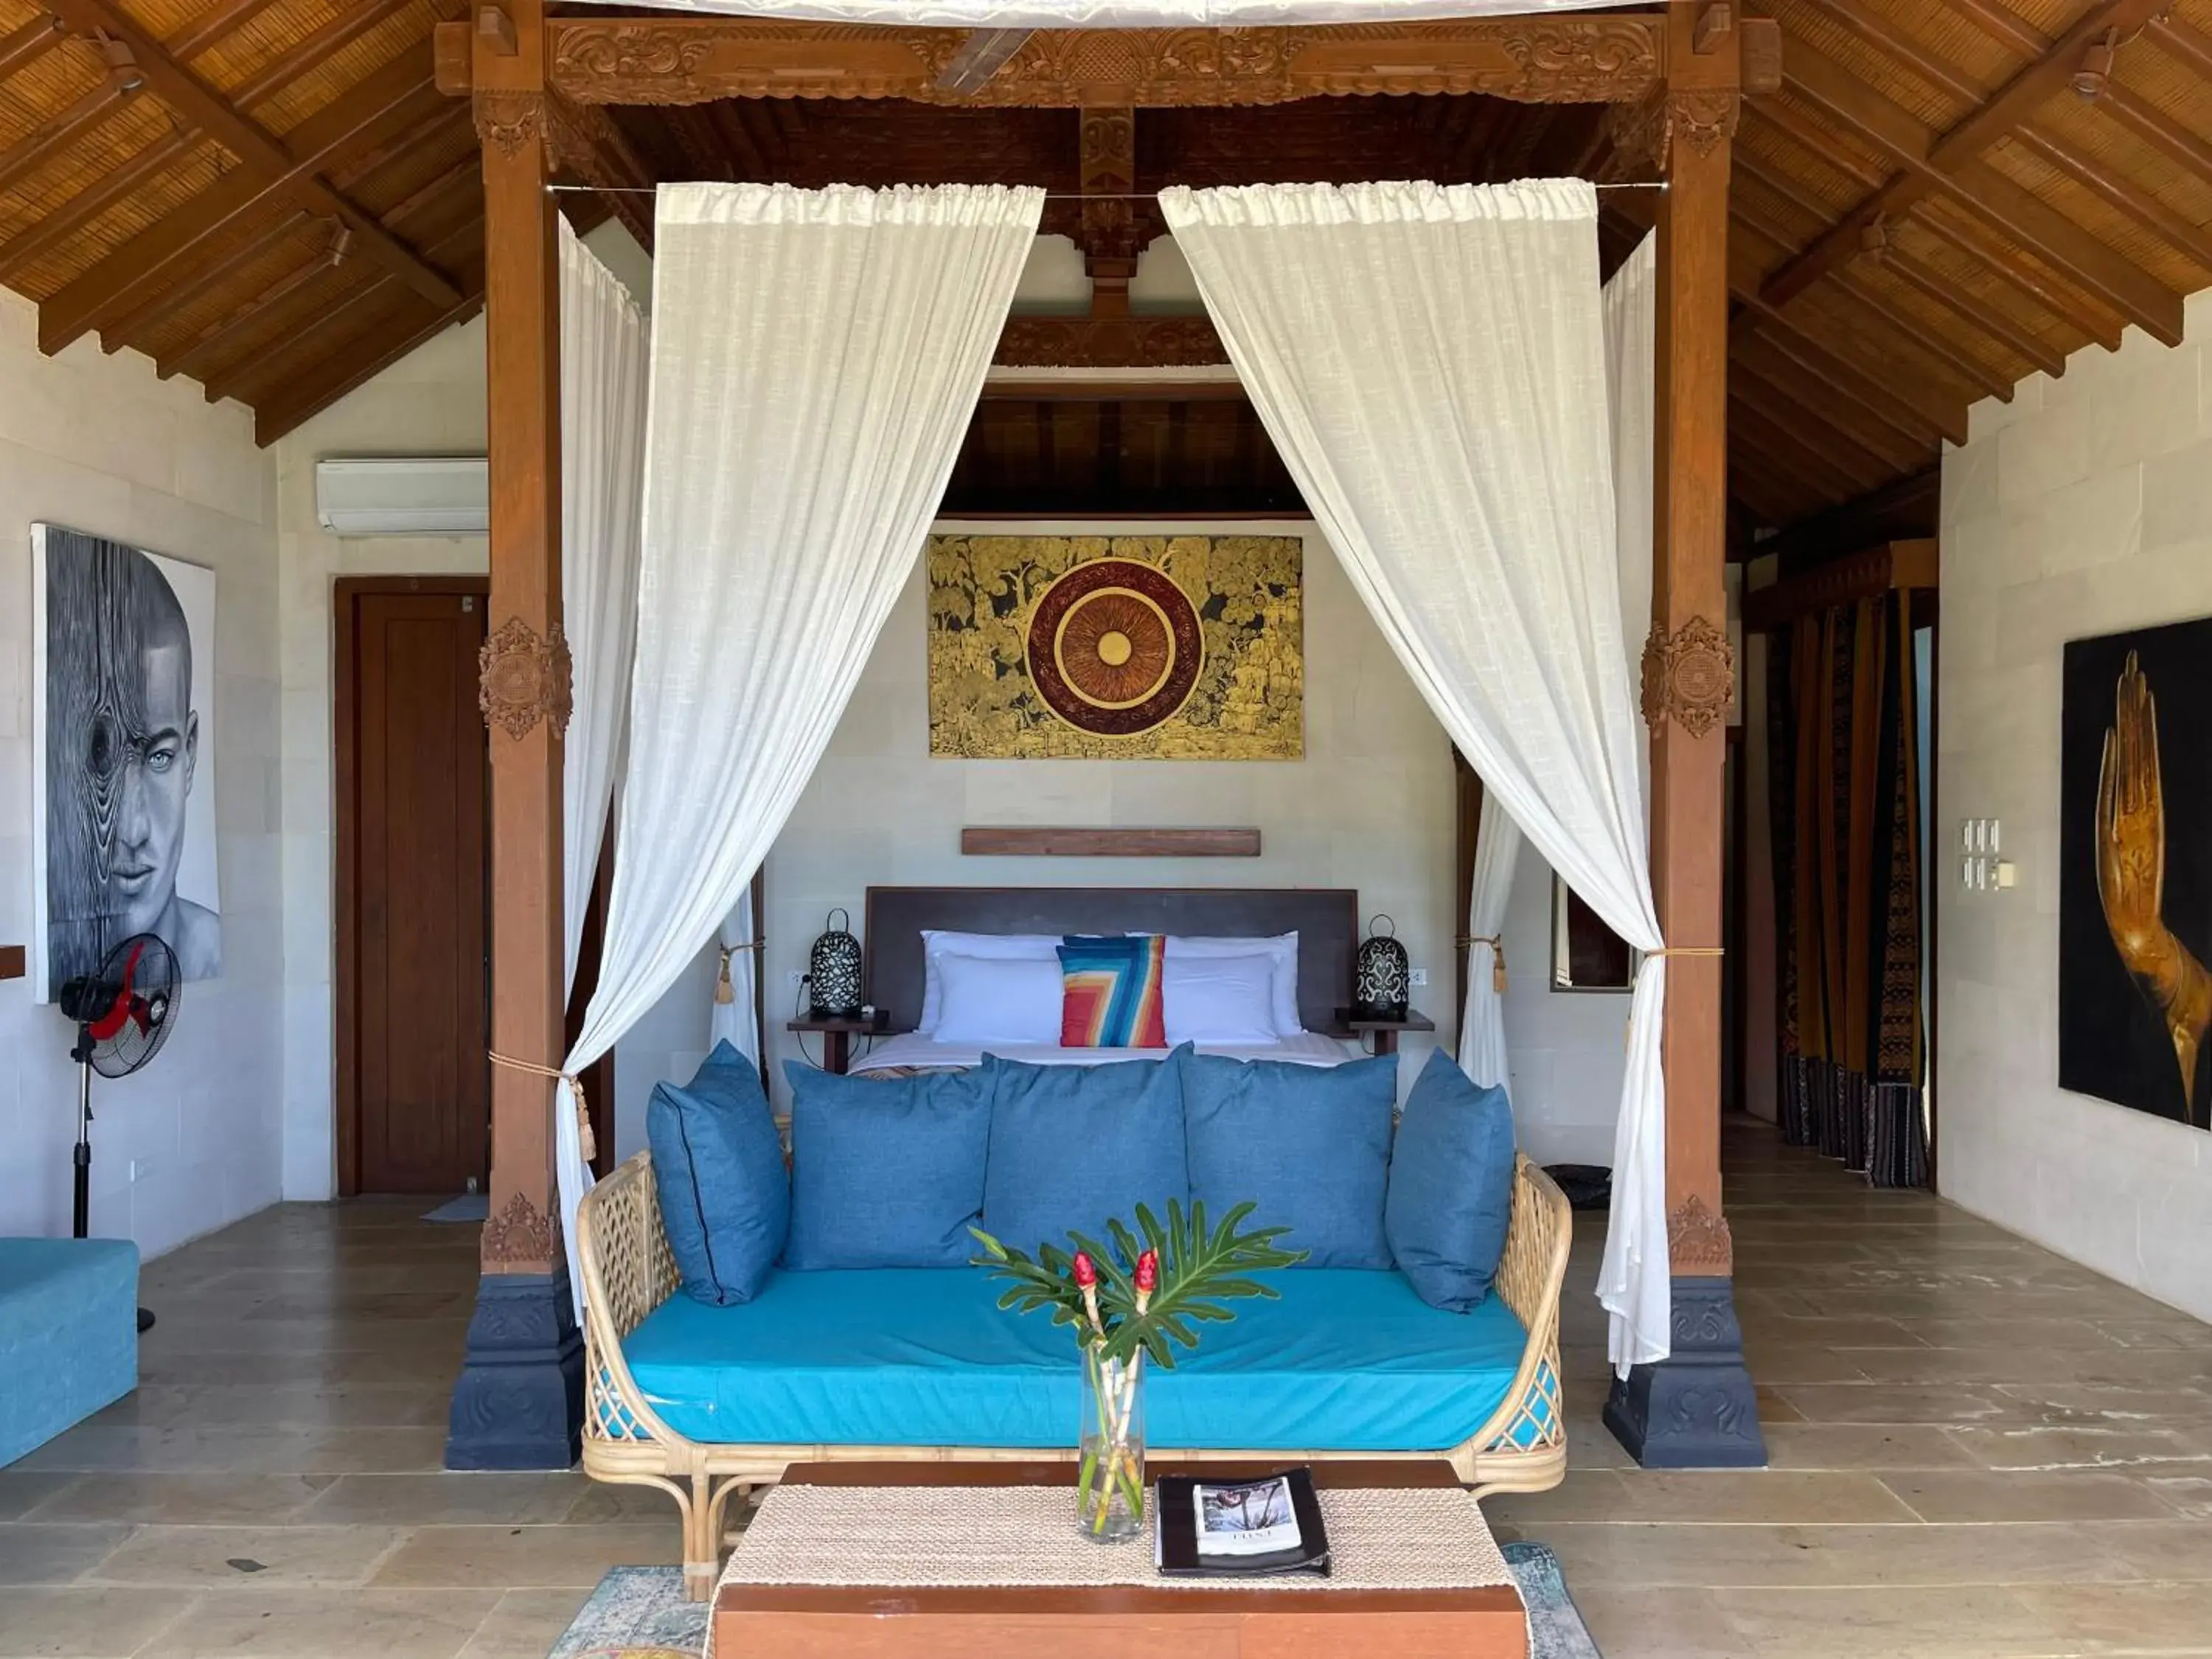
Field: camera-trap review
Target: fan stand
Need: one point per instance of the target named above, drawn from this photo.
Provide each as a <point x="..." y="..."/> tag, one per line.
<point x="82" y="1156"/>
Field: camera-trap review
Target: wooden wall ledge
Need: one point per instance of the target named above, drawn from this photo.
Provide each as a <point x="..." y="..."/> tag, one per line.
<point x="984" y="841"/>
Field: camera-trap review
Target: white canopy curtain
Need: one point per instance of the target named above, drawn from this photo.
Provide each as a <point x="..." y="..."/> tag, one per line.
<point x="1431" y="363"/>
<point x="1482" y="1053"/>
<point x="602" y="472"/>
<point x="817" y="355"/>
<point x="1632" y="342"/>
<point x="1112" y="13"/>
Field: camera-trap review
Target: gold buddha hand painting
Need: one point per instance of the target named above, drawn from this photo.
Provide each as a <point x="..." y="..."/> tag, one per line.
<point x="2135" y="891"/>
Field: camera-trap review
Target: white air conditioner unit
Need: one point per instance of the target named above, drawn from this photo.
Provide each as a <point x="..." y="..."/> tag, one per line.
<point x="403" y="495"/>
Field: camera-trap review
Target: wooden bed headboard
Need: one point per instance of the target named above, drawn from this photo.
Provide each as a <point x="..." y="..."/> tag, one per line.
<point x="1326" y="920"/>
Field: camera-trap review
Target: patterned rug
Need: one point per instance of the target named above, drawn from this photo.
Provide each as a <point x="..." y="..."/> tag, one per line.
<point x="639" y="1612"/>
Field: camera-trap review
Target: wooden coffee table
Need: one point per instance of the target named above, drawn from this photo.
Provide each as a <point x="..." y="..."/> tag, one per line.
<point x="807" y="1589"/>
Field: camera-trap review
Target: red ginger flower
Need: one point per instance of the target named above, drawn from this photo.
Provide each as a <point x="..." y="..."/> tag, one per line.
<point x="1148" y="1272"/>
<point x="1086" y="1274"/>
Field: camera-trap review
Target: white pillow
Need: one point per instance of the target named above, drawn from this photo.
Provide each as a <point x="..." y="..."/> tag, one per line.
<point x="1282" y="950"/>
<point x="985" y="1000"/>
<point x="999" y="947"/>
<point x="1223" y="1000"/>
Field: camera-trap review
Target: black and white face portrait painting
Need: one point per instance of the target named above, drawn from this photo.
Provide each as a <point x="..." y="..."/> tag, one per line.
<point x="124" y="817"/>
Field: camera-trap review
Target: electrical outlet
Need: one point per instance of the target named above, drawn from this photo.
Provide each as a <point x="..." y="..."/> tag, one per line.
<point x="794" y="978"/>
<point x="141" y="1168"/>
<point x="1418" y="978"/>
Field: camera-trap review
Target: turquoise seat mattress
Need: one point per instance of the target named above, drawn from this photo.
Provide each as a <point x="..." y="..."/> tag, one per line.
<point x="1348" y="1360"/>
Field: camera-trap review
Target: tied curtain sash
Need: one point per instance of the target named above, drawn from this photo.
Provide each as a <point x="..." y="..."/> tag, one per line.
<point x="816" y="357"/>
<point x="1431" y="363"/>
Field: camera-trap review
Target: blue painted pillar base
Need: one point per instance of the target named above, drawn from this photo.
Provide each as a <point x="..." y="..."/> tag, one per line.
<point x="1695" y="1409"/>
<point x="520" y="1402"/>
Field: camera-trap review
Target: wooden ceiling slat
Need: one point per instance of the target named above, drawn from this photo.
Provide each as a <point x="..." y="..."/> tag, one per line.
<point x="1976" y="314"/>
<point x="2153" y="128"/>
<point x="34" y="40"/>
<point x="311" y="53"/>
<point x="363" y="361"/>
<point x="32" y="243"/>
<point x="166" y="302"/>
<point x="195" y="101"/>
<point x="2000" y="24"/>
<point x="323" y="140"/>
<point x="1928" y="164"/>
<point x="222" y="337"/>
<point x="225" y="19"/>
<point x="249" y="378"/>
<point x="1878" y="29"/>
<point x="47" y="140"/>
<point x="1783" y="409"/>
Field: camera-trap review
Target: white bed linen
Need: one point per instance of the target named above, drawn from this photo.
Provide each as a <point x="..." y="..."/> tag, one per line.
<point x="1306" y="1048"/>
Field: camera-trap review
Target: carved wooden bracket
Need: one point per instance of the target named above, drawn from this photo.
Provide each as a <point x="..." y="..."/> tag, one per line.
<point x="1689" y="676"/>
<point x="1644" y="134"/>
<point x="508" y="122"/>
<point x="524" y="678"/>
<point x="521" y="1234"/>
<point x="1698" y="1243"/>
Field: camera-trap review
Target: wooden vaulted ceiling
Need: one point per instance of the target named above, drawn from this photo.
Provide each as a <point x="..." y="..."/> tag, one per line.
<point x="272" y="198"/>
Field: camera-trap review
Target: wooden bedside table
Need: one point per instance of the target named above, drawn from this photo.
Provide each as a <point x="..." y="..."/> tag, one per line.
<point x="1384" y="1031"/>
<point x="838" y="1036"/>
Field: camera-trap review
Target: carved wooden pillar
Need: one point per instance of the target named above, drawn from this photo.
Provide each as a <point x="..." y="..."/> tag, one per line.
<point x="518" y="1401"/>
<point x="1697" y="1408"/>
<point x="1112" y="236"/>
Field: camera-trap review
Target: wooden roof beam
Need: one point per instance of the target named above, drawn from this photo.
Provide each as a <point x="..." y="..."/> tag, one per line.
<point x="262" y="152"/>
<point x="27" y="44"/>
<point x="225" y="336"/>
<point x="1975" y="313"/>
<point x="225" y="19"/>
<point x="324" y="139"/>
<point x="1907" y="407"/>
<point x="1806" y="456"/>
<point x="36" y="148"/>
<point x="33" y="243"/>
<point x="310" y="54"/>
<point x="2027" y="275"/>
<point x="1951" y="165"/>
<point x="368" y="355"/>
<point x="2187" y="45"/>
<point x="1763" y="362"/>
<point x="2152" y="127"/>
<point x="2144" y="209"/>
<point x="1780" y="407"/>
<point x="1916" y="335"/>
<point x="158" y="308"/>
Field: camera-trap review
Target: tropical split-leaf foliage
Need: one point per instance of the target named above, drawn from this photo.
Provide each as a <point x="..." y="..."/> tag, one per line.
<point x="1202" y="1270"/>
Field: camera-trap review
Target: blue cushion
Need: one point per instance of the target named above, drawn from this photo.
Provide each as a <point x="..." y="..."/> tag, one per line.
<point x="1451" y="1186"/>
<point x="886" y="1172"/>
<point x="69" y="1334"/>
<point x="1072" y="1146"/>
<point x="1345" y="1361"/>
<point x="718" y="1166"/>
<point x="1310" y="1145"/>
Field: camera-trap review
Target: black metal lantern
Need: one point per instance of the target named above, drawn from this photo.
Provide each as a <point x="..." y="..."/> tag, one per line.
<point x="1380" y="978"/>
<point x="832" y="970"/>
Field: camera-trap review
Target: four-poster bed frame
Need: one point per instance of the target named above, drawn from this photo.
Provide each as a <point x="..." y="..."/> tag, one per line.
<point x="1674" y="81"/>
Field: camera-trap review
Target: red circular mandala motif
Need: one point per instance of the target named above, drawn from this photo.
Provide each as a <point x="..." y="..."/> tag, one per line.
<point x="1115" y="647"/>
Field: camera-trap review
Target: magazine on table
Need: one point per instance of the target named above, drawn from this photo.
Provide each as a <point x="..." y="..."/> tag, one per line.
<point x="1229" y="1527"/>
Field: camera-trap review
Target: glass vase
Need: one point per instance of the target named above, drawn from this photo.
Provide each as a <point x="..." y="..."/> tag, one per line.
<point x="1110" y="1481"/>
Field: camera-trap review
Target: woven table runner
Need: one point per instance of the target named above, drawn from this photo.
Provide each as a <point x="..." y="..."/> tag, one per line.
<point x="1400" y="1539"/>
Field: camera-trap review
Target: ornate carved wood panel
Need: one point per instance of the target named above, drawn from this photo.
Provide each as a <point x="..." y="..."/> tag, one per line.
<point x="1590" y="58"/>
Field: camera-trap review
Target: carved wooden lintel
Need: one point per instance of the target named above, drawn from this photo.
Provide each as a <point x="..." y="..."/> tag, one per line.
<point x="1108" y="342"/>
<point x="524" y="678"/>
<point x="1698" y="1243"/>
<point x="1588" y="59"/>
<point x="1689" y="676"/>
<point x="520" y="1235"/>
<point x="509" y="122"/>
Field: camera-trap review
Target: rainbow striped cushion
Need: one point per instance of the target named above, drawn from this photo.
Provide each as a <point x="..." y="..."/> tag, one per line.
<point x="1110" y="995"/>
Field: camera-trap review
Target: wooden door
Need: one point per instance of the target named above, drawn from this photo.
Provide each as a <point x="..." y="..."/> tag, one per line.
<point x="413" y="1085"/>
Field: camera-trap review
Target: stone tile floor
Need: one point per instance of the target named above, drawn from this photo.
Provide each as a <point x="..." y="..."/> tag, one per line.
<point x="1978" y="1449"/>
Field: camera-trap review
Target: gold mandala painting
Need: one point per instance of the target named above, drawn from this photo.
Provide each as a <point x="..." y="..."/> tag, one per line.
<point x="1122" y="647"/>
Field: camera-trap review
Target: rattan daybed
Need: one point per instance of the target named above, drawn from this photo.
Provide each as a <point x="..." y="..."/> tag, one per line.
<point x="629" y="1272"/>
